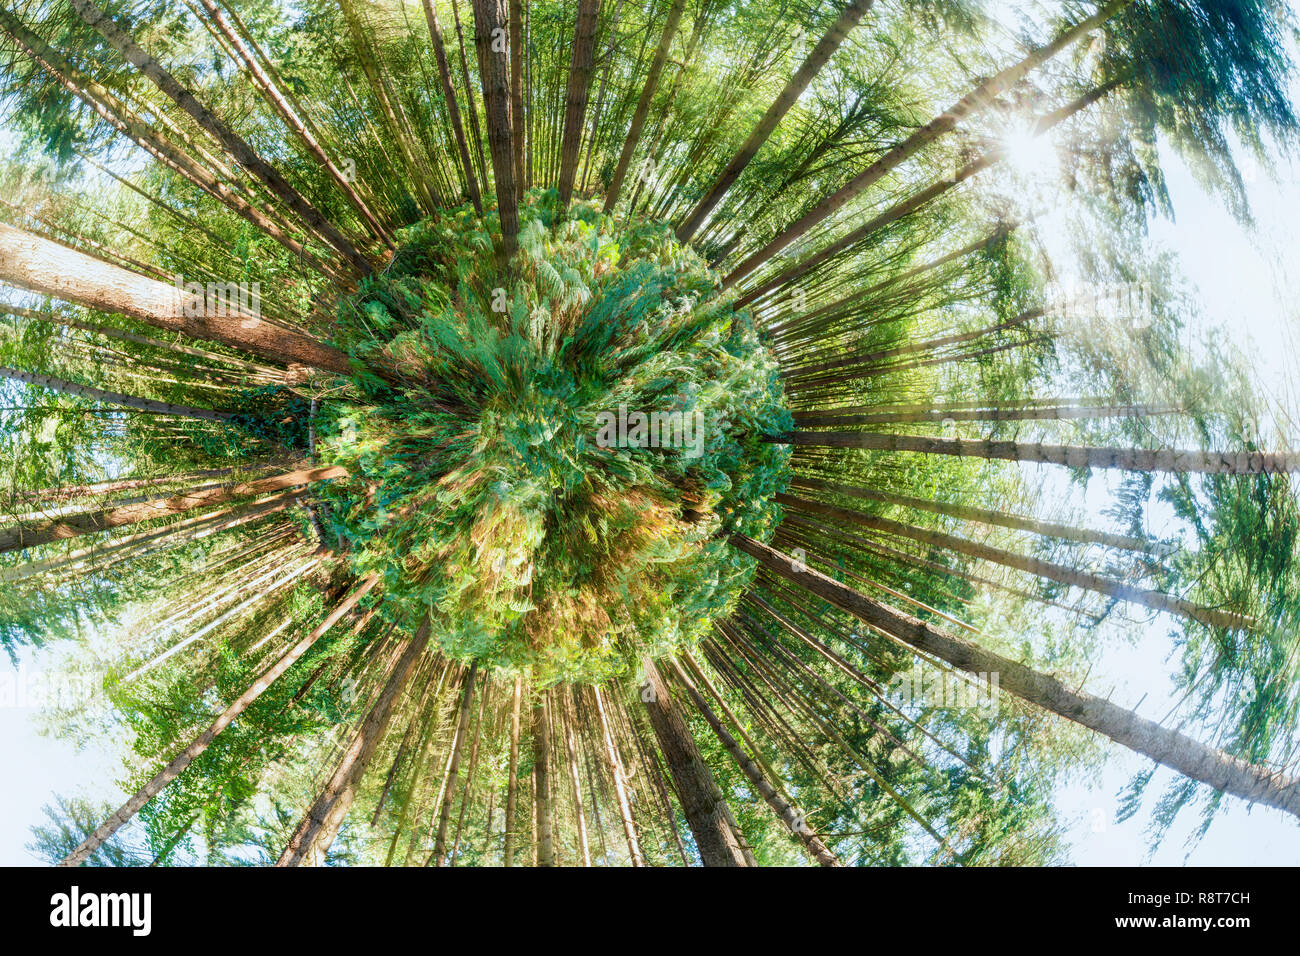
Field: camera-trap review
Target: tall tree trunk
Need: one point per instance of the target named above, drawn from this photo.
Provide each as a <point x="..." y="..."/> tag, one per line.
<point x="620" y="782"/>
<point x="204" y="740"/>
<point x="64" y="387"/>
<point x="1213" y="767"/>
<point x="122" y="41"/>
<point x="1073" y="456"/>
<point x="453" y="108"/>
<point x="518" y="120"/>
<point x="789" y="815"/>
<point x="643" y="104"/>
<point x="702" y="802"/>
<point x="489" y="39"/>
<point x="453" y="768"/>
<point x="47" y="268"/>
<point x="853" y="11"/>
<point x="571" y="753"/>
<point x="320" y="824"/>
<point x="512" y="787"/>
<point x="981" y="96"/>
<point x="542" y="781"/>
<point x="575" y="109"/>
<point x="19" y="537"/>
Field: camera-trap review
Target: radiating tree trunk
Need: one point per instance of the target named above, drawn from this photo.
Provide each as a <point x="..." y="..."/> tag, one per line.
<point x="575" y="109"/>
<point x="544" y="824"/>
<point x="489" y="32"/>
<point x="643" y="104"/>
<point x="64" y="387"/>
<point x="981" y="96"/>
<point x="320" y="824"/>
<point x="512" y="787"/>
<point x="571" y="753"/>
<point x="1156" y="600"/>
<point x="1048" y="529"/>
<point x="1219" y="770"/>
<point x="620" y="782"/>
<point x="204" y="740"/>
<point x="1073" y="456"/>
<point x="518" y="119"/>
<point x="453" y="768"/>
<point x="788" y="814"/>
<point x="47" y="268"/>
<point x="19" y="537"/>
<point x="453" y="108"/>
<point x="280" y="103"/>
<point x="702" y="802"/>
<point x="853" y="11"/>
<point x="122" y="41"/>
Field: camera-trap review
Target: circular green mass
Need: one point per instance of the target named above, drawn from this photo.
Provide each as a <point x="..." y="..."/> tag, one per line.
<point x="553" y="467"/>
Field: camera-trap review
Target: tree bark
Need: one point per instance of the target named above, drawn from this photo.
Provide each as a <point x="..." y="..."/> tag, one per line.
<point x="489" y="29"/>
<point x="64" y="387"/>
<point x="19" y="537"/>
<point x="320" y="824"/>
<point x="1213" y="767"/>
<point x="575" y="109"/>
<point x="702" y="802"/>
<point x="48" y="268"/>
<point x="453" y="769"/>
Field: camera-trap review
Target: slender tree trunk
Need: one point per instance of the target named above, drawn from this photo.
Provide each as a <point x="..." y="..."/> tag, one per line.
<point x="47" y="268"/>
<point x="643" y="104"/>
<point x="702" y="802"/>
<point x="19" y="537"/>
<point x="453" y="108"/>
<point x="978" y="98"/>
<point x="204" y="740"/>
<point x="575" y="110"/>
<point x="1213" y="767"/>
<point x="542" y="782"/>
<point x="453" y="769"/>
<point x="620" y="782"/>
<point x="512" y="788"/>
<point x="122" y="41"/>
<point x="518" y="121"/>
<point x="321" y="823"/>
<point x="1073" y="456"/>
<point x="853" y="11"/>
<point x="64" y="387"/>
<point x="571" y="753"/>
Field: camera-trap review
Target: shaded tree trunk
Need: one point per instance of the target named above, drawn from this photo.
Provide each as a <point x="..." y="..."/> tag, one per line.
<point x="575" y="109"/>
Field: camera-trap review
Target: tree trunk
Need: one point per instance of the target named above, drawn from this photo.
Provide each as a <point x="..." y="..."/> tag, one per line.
<point x="978" y="98"/>
<point x="571" y="753"/>
<point x="643" y="104"/>
<point x="512" y="788"/>
<point x="542" y="782"/>
<point x="320" y="824"/>
<point x="853" y="11"/>
<point x="702" y="802"/>
<point x="575" y="109"/>
<point x="47" y="268"/>
<point x="788" y="814"/>
<point x="1219" y="770"/>
<point x="64" y="387"/>
<point x="489" y="32"/>
<point x="19" y="537"/>
<point x="122" y="41"/>
<point x="1073" y="456"/>
<point x="204" y="740"/>
<point x="620" y="782"/>
<point x="453" y="768"/>
<point x="453" y="108"/>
